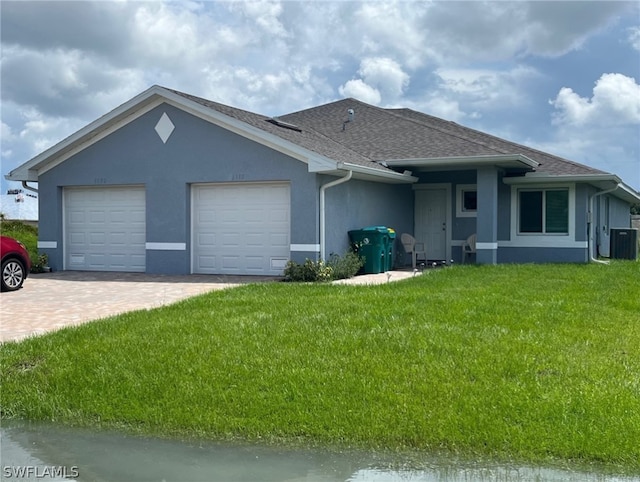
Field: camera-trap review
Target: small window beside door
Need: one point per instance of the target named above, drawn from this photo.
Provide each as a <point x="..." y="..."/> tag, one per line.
<point x="466" y="200"/>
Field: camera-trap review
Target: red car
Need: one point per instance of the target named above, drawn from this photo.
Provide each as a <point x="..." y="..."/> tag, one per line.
<point x="16" y="264"/>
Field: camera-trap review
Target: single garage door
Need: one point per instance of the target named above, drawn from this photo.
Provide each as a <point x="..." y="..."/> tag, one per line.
<point x="105" y="229"/>
<point x="240" y="228"/>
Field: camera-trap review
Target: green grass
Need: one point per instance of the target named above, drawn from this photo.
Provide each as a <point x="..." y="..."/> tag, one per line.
<point x="530" y="363"/>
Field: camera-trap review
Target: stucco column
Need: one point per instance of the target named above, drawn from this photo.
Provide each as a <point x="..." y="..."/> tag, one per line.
<point x="487" y="216"/>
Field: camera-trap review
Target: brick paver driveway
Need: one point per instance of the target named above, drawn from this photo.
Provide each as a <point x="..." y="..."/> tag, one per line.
<point x="53" y="300"/>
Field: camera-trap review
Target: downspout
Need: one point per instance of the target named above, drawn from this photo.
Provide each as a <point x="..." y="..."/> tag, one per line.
<point x="591" y="237"/>
<point x="323" y="188"/>
<point x="27" y="187"/>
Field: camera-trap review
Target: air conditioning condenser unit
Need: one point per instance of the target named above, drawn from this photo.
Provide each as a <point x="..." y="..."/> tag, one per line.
<point x="624" y="243"/>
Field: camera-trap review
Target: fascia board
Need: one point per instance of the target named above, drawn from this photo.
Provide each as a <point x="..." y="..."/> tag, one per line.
<point x="143" y="103"/>
<point x="86" y="136"/>
<point x="465" y="161"/>
<point x="627" y="193"/>
<point x="538" y="177"/>
<point x="363" y="172"/>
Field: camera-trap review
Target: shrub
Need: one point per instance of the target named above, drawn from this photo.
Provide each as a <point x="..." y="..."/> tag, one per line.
<point x="336" y="268"/>
<point x="308" y="271"/>
<point x="346" y="266"/>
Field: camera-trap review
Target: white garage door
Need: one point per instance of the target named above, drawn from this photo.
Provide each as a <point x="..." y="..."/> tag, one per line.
<point x="105" y="229"/>
<point x="240" y="228"/>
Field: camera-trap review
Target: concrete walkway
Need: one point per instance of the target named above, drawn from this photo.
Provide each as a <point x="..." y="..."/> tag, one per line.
<point x="53" y="300"/>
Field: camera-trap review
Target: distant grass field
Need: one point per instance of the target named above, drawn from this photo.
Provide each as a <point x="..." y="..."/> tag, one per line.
<point x="526" y="362"/>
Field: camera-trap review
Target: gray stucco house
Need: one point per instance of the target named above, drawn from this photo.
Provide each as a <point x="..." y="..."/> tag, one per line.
<point x="172" y="183"/>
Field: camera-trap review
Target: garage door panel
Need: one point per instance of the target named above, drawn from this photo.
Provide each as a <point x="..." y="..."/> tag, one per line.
<point x="105" y="229"/>
<point x="254" y="216"/>
<point x="139" y="239"/>
<point x="279" y="240"/>
<point x="97" y="239"/>
<point x="242" y="237"/>
<point x="76" y="239"/>
<point x="254" y="240"/>
<point x="95" y="261"/>
<point x="231" y="263"/>
<point x="207" y="240"/>
<point x="231" y="240"/>
<point x="207" y="262"/>
<point x="206" y="216"/>
<point x="139" y="262"/>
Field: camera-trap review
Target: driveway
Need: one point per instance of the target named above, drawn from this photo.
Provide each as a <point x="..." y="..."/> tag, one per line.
<point x="50" y="301"/>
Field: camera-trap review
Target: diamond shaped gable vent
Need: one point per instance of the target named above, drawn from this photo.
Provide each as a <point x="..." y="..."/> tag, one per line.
<point x="164" y="127"/>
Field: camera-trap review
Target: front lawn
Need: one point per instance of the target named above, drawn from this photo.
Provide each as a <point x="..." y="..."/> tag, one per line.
<point x="531" y="363"/>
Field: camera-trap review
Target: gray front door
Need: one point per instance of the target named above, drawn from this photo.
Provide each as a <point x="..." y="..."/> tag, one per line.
<point x="431" y="227"/>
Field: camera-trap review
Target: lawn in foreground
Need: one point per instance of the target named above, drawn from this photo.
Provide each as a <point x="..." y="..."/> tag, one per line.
<point x="531" y="362"/>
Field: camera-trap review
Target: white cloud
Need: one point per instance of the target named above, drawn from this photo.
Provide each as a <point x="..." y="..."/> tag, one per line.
<point x="602" y="130"/>
<point x="488" y="89"/>
<point x="447" y="109"/>
<point x="265" y="14"/>
<point x="385" y="74"/>
<point x="393" y="29"/>
<point x="597" y="148"/>
<point x="615" y="101"/>
<point x="381" y="77"/>
<point x="360" y="90"/>
<point x="457" y="60"/>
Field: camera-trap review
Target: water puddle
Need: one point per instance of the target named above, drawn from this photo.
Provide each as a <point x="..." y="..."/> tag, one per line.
<point x="44" y="452"/>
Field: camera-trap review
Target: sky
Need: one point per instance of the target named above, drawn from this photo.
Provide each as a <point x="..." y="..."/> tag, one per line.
<point x="562" y="77"/>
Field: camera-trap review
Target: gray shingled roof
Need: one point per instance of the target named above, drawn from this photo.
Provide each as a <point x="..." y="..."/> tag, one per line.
<point x="377" y="134"/>
<point x="305" y="137"/>
<point x="383" y="134"/>
<point x="548" y="162"/>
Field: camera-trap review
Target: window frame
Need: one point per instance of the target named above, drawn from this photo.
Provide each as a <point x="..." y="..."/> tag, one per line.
<point x="543" y="190"/>
<point x="461" y="212"/>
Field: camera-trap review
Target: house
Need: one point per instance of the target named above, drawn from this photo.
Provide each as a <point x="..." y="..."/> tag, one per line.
<point x="17" y="205"/>
<point x="173" y="183"/>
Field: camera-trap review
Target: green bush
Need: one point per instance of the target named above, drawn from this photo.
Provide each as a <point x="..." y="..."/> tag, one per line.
<point x="308" y="271"/>
<point x="346" y="266"/>
<point x="336" y="268"/>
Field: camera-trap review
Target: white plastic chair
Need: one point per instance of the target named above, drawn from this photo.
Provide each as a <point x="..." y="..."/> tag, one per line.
<point x="412" y="247"/>
<point x="468" y="247"/>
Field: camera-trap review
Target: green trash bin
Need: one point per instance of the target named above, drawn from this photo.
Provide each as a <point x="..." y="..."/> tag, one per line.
<point x="391" y="239"/>
<point x="371" y="244"/>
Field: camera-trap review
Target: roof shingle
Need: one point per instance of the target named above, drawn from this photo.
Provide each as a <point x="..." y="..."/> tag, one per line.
<point x="383" y="134"/>
<point x="376" y="134"/>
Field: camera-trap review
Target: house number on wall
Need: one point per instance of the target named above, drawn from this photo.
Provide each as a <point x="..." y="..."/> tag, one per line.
<point x="100" y="180"/>
<point x="237" y="177"/>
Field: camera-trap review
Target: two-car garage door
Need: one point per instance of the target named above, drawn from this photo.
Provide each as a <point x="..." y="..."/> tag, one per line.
<point x="105" y="228"/>
<point x="240" y="228"/>
<point x="236" y="228"/>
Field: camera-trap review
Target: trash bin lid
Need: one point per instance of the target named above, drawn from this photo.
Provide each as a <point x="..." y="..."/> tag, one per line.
<point x="381" y="229"/>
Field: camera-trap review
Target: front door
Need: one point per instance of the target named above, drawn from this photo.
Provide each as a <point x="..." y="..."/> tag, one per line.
<point x="431" y="226"/>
